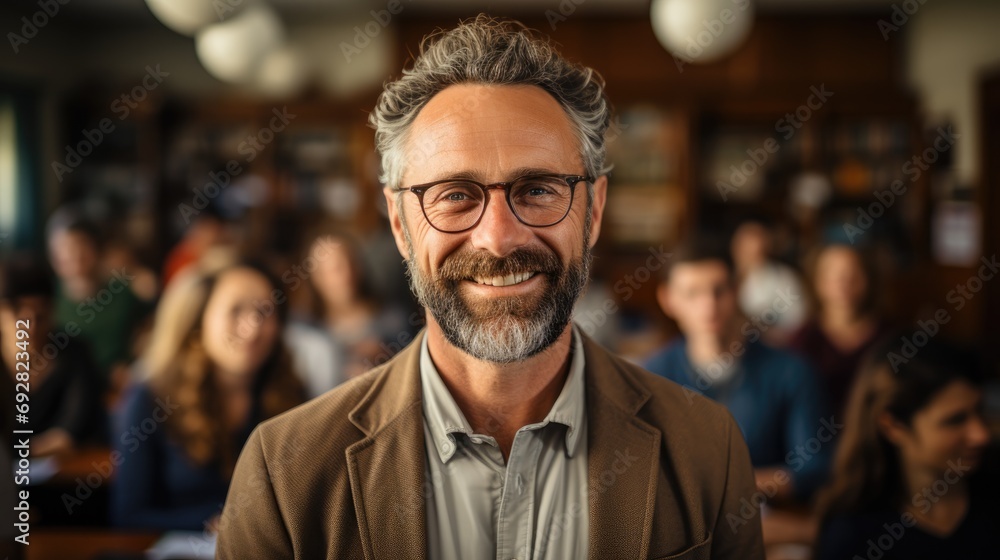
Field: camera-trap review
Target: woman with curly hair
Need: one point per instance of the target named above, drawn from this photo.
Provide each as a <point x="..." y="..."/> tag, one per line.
<point x="913" y="477"/>
<point x="214" y="369"/>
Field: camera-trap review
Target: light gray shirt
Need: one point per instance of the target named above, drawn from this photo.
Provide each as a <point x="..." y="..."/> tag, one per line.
<point x="534" y="506"/>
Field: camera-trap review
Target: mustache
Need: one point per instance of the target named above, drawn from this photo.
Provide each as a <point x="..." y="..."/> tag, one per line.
<point x="467" y="264"/>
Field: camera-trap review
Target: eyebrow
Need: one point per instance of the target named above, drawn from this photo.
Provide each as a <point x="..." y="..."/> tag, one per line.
<point x="513" y="174"/>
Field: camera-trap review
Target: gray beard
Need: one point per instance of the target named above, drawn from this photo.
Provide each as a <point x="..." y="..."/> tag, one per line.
<point x="503" y="330"/>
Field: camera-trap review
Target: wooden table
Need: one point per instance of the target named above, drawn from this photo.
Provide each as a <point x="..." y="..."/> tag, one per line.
<point x="82" y="463"/>
<point x="63" y="544"/>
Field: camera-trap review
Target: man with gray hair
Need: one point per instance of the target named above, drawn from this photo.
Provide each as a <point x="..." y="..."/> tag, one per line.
<point x="503" y="431"/>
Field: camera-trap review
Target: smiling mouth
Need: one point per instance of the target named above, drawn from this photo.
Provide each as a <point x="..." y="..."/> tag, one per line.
<point x="501" y="281"/>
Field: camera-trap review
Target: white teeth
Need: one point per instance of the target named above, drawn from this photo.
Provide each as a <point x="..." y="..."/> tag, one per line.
<point x="508" y="280"/>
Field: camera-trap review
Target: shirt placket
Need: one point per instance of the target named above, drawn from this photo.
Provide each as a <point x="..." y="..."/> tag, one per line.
<point x="515" y="524"/>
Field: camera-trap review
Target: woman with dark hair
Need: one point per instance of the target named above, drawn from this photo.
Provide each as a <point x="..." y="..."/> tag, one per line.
<point x="364" y="331"/>
<point x="846" y="324"/>
<point x="214" y="369"/>
<point x="912" y="478"/>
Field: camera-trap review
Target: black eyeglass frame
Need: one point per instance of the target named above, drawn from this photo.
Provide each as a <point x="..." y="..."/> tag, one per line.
<point x="571" y="181"/>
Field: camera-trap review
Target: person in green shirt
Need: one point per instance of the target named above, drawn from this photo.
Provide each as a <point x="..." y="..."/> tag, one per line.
<point x="92" y="303"/>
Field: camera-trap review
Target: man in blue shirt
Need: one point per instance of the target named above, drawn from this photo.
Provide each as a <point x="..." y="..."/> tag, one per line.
<point x="773" y="395"/>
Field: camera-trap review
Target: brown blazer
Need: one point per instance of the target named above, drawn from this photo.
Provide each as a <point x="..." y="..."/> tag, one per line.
<point x="342" y="476"/>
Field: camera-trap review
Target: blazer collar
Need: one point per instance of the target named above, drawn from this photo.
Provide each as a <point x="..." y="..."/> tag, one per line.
<point x="387" y="467"/>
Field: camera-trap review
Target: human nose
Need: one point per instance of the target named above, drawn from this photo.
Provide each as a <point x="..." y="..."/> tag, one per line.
<point x="979" y="434"/>
<point x="499" y="231"/>
<point x="247" y="325"/>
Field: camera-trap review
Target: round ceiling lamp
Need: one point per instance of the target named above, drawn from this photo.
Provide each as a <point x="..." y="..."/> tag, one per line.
<point x="701" y="31"/>
<point x="187" y="17"/>
<point x="233" y="50"/>
<point x="283" y="72"/>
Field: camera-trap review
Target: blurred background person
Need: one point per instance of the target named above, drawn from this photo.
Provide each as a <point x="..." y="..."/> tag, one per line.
<point x="206" y="230"/>
<point x="98" y="301"/>
<point x="215" y="368"/>
<point x="344" y="304"/>
<point x="773" y="395"/>
<point x="120" y="255"/>
<point x="319" y="359"/>
<point x="64" y="387"/>
<point x="914" y="477"/>
<point x="762" y="281"/>
<point x="846" y="325"/>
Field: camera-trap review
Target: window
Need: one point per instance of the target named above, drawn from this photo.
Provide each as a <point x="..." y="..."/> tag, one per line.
<point x="9" y="180"/>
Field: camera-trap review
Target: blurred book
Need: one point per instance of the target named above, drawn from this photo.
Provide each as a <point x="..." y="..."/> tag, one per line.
<point x="183" y="545"/>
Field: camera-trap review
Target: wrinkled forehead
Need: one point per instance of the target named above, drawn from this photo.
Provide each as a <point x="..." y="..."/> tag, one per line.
<point x="487" y="131"/>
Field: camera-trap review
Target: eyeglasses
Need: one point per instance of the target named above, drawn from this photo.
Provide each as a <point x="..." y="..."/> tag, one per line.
<point x="457" y="205"/>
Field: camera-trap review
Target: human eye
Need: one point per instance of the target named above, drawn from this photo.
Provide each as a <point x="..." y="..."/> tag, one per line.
<point x="454" y="191"/>
<point x="539" y="189"/>
<point x="455" y="195"/>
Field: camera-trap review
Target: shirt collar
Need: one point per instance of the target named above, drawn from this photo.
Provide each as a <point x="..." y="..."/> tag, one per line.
<point x="444" y="417"/>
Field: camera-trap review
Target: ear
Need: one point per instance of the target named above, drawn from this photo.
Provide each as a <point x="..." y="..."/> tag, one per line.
<point x="597" y="208"/>
<point x="396" y="221"/>
<point x="892" y="429"/>
<point x="663" y="298"/>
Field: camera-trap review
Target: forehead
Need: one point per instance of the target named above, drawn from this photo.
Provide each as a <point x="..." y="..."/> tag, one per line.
<point x="957" y="395"/>
<point x="70" y="236"/>
<point x="238" y="283"/>
<point x="838" y="256"/>
<point x="699" y="272"/>
<point x="488" y="131"/>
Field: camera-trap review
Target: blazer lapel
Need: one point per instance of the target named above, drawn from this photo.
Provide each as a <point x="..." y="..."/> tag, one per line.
<point x="623" y="461"/>
<point x="386" y="468"/>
